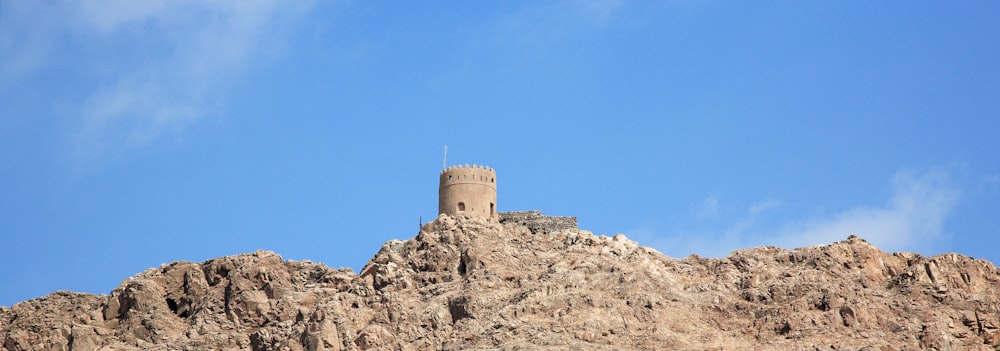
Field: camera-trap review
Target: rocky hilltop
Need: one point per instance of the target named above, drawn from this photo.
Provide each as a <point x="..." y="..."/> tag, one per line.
<point x="469" y="283"/>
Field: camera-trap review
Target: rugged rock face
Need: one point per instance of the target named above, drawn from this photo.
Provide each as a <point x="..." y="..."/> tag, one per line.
<point x="468" y="283"/>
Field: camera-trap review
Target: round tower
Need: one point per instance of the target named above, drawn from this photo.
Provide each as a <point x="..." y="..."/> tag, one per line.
<point x="468" y="190"/>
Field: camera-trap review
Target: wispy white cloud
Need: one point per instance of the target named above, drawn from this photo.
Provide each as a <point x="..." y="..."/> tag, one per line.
<point x="543" y="24"/>
<point x="762" y="206"/>
<point x="992" y="179"/>
<point x="709" y="207"/>
<point x="205" y="47"/>
<point x="911" y="219"/>
<point x="29" y="29"/>
<point x="164" y="64"/>
<point x="110" y="15"/>
<point x="599" y="11"/>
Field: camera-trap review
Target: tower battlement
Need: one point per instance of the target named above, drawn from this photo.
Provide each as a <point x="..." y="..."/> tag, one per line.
<point x="468" y="190"/>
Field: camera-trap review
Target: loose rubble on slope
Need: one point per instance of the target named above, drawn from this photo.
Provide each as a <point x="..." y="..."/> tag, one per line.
<point x="469" y="283"/>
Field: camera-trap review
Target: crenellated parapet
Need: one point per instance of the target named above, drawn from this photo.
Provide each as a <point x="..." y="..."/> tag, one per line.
<point x="469" y="174"/>
<point x="468" y="190"/>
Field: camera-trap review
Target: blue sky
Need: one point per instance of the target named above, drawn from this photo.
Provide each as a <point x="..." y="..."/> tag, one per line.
<point x="139" y="133"/>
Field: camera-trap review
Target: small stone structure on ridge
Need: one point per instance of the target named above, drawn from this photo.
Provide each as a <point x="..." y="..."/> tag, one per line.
<point x="472" y="191"/>
<point x="537" y="223"/>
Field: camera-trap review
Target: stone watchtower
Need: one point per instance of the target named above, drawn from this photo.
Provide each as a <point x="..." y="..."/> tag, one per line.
<point x="469" y="191"/>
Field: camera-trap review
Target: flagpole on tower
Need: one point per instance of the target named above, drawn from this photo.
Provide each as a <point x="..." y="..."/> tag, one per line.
<point x="444" y="163"/>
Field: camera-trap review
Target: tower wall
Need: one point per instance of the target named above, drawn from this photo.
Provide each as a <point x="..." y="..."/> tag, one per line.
<point x="468" y="190"/>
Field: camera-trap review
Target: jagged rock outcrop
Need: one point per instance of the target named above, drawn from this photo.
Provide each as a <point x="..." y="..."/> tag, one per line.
<point x="470" y="283"/>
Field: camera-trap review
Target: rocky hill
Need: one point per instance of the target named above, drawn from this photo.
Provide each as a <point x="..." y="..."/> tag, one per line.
<point x="468" y="283"/>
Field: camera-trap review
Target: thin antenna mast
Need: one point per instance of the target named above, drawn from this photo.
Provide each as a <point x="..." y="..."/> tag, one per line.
<point x="444" y="164"/>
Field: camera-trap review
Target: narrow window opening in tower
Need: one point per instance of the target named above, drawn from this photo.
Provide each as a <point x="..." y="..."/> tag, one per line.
<point x="491" y="209"/>
<point x="491" y="180"/>
<point x="461" y="207"/>
<point x="449" y="177"/>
